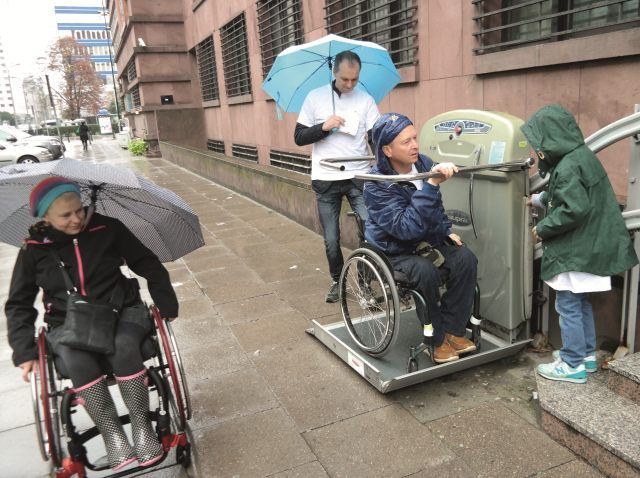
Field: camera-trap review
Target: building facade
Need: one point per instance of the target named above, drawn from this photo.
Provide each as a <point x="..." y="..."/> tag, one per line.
<point x="6" y="99"/>
<point x="88" y="22"/>
<point x="195" y="78"/>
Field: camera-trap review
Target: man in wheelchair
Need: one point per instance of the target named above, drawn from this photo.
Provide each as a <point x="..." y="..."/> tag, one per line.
<point x="405" y="215"/>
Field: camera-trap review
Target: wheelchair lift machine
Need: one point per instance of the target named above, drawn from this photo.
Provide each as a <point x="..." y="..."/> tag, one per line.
<point x="382" y="328"/>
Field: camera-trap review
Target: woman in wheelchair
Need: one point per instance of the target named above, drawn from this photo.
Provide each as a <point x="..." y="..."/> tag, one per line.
<point x="92" y="248"/>
<point x="404" y="215"/>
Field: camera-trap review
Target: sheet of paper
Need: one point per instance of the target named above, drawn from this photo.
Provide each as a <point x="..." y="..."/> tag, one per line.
<point x="352" y="121"/>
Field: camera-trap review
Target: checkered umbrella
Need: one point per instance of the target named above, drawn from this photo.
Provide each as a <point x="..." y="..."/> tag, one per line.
<point x="159" y="218"/>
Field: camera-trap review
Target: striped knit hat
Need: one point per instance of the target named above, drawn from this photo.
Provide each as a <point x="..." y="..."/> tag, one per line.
<point x="46" y="191"/>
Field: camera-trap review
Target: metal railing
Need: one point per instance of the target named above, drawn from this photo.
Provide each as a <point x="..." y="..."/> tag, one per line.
<point x="206" y="59"/>
<point x="235" y="57"/>
<point x="242" y="151"/>
<point x="279" y="27"/>
<point x="132" y="73"/>
<point x="511" y="23"/>
<point x="300" y="163"/>
<point x="389" y="23"/>
<point x="135" y="96"/>
<point x="216" y="146"/>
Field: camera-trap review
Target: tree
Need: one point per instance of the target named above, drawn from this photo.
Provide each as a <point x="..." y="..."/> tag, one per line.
<point x="82" y="88"/>
<point x="5" y="116"/>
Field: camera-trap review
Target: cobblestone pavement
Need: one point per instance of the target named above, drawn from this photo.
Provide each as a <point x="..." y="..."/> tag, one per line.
<point x="270" y="400"/>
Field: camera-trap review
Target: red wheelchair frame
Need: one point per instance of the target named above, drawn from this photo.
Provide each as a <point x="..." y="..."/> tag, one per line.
<point x="53" y="408"/>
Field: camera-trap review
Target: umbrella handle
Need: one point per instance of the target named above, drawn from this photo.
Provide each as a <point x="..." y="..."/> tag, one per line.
<point x="333" y="130"/>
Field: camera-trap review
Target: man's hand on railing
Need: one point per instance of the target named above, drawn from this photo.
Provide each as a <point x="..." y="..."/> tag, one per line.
<point x="447" y="169"/>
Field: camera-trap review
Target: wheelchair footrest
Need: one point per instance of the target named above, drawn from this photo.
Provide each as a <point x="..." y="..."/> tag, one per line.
<point x="71" y="467"/>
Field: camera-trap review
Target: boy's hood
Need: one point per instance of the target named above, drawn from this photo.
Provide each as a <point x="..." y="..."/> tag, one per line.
<point x="553" y="133"/>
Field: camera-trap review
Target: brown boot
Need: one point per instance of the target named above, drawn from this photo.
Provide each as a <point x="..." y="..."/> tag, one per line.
<point x="444" y="353"/>
<point x="459" y="344"/>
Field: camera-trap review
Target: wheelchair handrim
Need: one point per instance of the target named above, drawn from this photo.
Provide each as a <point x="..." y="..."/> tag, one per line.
<point x="46" y="403"/>
<point x="366" y="257"/>
<point x="34" y="378"/>
<point x="183" y="377"/>
<point x="172" y="368"/>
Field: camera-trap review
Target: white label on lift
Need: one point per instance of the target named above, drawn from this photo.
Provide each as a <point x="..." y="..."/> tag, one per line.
<point x="356" y="363"/>
<point x="498" y="149"/>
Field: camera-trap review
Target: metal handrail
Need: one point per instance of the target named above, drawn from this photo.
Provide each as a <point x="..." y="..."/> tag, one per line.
<point x="328" y="163"/>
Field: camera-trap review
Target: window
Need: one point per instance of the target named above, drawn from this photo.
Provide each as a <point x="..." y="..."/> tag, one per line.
<point x="216" y="146"/>
<point x="279" y="27"/>
<point x="206" y="58"/>
<point x="242" y="151"/>
<point x="132" y="74"/>
<point x="135" y="96"/>
<point x="388" y="23"/>
<point x="300" y="163"/>
<point x="235" y="57"/>
<point x="515" y="23"/>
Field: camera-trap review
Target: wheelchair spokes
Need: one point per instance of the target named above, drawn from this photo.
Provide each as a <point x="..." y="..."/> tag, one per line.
<point x="369" y="303"/>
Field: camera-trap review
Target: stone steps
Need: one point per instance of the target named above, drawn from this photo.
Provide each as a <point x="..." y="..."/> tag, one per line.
<point x="625" y="379"/>
<point x="595" y="420"/>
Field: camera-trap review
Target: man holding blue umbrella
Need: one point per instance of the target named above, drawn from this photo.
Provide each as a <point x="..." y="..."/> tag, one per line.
<point x="337" y="128"/>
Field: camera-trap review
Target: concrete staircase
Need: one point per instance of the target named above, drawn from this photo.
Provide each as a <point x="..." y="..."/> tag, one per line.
<point x="599" y="420"/>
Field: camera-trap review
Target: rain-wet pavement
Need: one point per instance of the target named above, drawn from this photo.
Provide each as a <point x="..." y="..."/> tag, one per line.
<point x="270" y="400"/>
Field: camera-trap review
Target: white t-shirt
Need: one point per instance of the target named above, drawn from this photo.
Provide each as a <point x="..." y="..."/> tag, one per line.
<point x="579" y="282"/>
<point x="317" y="108"/>
<point x="420" y="182"/>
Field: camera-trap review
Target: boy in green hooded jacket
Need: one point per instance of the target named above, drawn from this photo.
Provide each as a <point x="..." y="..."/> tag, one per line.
<point x="584" y="237"/>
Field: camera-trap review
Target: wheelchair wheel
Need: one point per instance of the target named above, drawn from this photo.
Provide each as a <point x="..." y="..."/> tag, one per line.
<point x="44" y="394"/>
<point x="170" y="354"/>
<point x="369" y="302"/>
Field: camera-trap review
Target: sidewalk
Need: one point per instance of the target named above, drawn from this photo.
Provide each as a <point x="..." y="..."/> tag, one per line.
<point x="270" y="400"/>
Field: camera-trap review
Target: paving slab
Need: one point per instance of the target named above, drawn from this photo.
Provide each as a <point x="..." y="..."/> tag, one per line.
<point x="448" y="468"/>
<point x="283" y="272"/>
<point x="195" y="332"/>
<point x="283" y="363"/>
<point x="16" y="410"/>
<point x="228" y="397"/>
<point x="206" y="252"/>
<point x="256" y="335"/>
<point x="20" y="458"/>
<point x="284" y="258"/>
<point x="320" y="399"/>
<point x="255" y="308"/>
<point x="213" y="263"/>
<point x="292" y="288"/>
<point x="261" y="248"/>
<point x="314" y="305"/>
<point x="253" y="239"/>
<point x="187" y="290"/>
<point x="387" y="442"/>
<point x="254" y="446"/>
<point x="211" y="360"/>
<point x="499" y="443"/>
<point x="236" y="291"/>
<point x="573" y="469"/>
<point x="235" y="228"/>
<point x="196" y="309"/>
<point x="309" y="470"/>
<point x="226" y="275"/>
<point x="10" y="376"/>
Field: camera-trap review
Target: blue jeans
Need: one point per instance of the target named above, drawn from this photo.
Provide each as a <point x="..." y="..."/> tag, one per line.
<point x="329" y="199"/>
<point x="577" y="326"/>
<point x="454" y="311"/>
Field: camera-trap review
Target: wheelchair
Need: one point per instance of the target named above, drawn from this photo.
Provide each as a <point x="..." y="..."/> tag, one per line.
<point x="53" y="407"/>
<point x="373" y="296"/>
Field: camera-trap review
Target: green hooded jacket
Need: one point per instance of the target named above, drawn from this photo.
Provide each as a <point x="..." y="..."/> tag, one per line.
<point x="584" y="229"/>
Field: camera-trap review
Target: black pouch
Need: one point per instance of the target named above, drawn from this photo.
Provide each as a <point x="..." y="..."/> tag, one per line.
<point x="90" y="324"/>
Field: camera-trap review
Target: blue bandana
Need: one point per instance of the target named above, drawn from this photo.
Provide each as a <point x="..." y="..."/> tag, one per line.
<point x="388" y="126"/>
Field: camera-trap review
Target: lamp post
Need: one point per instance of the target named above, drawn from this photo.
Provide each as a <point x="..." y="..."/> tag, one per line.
<point x="13" y="100"/>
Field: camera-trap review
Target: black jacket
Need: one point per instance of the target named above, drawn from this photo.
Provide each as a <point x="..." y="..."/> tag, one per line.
<point x="103" y="246"/>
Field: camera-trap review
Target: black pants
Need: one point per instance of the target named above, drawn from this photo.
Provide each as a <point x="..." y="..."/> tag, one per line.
<point x="453" y="313"/>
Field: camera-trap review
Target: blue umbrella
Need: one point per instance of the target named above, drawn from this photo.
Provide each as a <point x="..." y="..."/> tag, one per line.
<point x="302" y="68"/>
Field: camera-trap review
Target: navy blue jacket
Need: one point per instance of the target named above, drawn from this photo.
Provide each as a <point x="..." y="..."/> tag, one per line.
<point x="400" y="216"/>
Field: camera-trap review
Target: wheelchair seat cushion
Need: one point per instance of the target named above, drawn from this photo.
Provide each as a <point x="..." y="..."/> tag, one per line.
<point x="148" y="349"/>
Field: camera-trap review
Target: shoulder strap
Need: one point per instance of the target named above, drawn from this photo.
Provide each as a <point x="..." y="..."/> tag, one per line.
<point x="67" y="280"/>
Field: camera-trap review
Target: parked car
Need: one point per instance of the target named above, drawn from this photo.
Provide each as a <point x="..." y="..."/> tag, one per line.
<point x="17" y="153"/>
<point x="14" y="135"/>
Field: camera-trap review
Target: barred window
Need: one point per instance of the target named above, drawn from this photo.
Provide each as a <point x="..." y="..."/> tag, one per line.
<point x="242" y="151"/>
<point x="135" y="96"/>
<point x="279" y="27"/>
<point x="206" y="58"/>
<point x="515" y="23"/>
<point x="300" y="163"/>
<point x="388" y="23"/>
<point x="235" y="57"/>
<point x="216" y="146"/>
<point x="132" y="74"/>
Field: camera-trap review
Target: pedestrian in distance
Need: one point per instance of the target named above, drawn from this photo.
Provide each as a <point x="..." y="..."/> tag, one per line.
<point x="340" y="134"/>
<point x="83" y="132"/>
<point x="75" y="251"/>
<point x="584" y="237"/>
